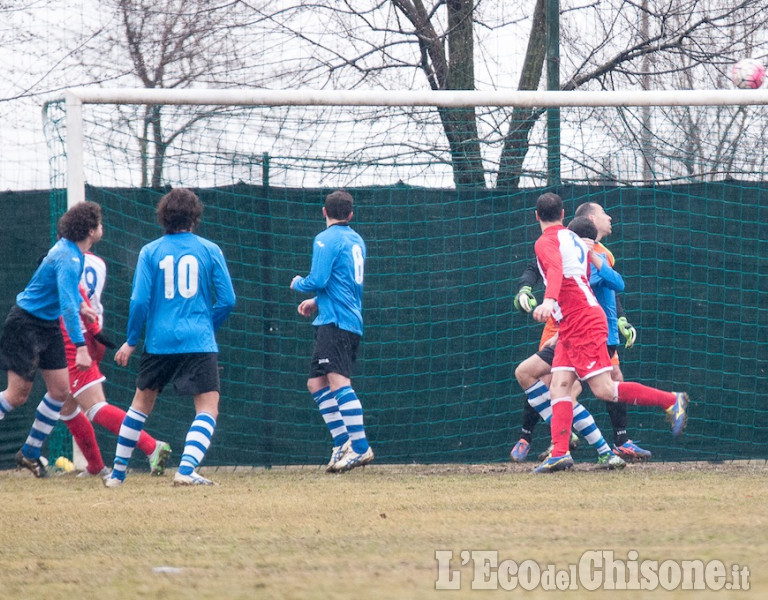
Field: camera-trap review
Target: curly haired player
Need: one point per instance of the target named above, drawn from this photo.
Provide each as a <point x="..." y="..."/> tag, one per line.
<point x="183" y="292"/>
<point x="31" y="338"/>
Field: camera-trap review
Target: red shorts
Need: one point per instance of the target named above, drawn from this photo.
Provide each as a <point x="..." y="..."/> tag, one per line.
<point x="581" y="346"/>
<point x="81" y="380"/>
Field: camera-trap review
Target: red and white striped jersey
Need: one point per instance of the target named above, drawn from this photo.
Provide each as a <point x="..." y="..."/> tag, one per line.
<point x="563" y="261"/>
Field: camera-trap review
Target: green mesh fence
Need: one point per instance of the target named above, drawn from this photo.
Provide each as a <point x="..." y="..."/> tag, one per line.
<point x="436" y="369"/>
<point x="435" y="372"/>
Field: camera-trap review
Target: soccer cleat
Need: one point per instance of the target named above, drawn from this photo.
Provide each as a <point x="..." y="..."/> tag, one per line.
<point x="555" y="463"/>
<point x="191" y="479"/>
<point x="336" y="455"/>
<point x="104" y="473"/>
<point x="352" y="459"/>
<point x="677" y="414"/>
<point x="520" y="451"/>
<point x="35" y="465"/>
<point x="610" y="461"/>
<point x="572" y="445"/>
<point x="158" y="458"/>
<point x="630" y="451"/>
<point x="112" y="482"/>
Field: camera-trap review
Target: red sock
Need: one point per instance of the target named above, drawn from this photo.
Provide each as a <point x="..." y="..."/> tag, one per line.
<point x="83" y="434"/>
<point x="643" y="395"/>
<point x="111" y="417"/>
<point x="562" y="419"/>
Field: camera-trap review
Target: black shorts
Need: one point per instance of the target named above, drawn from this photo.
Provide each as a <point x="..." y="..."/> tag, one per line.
<point x="547" y="354"/>
<point x="192" y="374"/>
<point x="335" y="351"/>
<point x="28" y="343"/>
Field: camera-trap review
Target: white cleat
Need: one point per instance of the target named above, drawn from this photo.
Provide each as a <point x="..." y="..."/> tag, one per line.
<point x="103" y="474"/>
<point x="336" y="455"/>
<point x="352" y="460"/>
<point x="192" y="479"/>
<point x="113" y="482"/>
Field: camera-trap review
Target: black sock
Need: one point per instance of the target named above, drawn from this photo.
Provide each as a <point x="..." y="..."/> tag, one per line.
<point x="617" y="411"/>
<point x="530" y="418"/>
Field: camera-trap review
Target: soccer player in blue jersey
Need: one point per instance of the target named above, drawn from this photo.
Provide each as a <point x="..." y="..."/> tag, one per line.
<point x="617" y="324"/>
<point x="176" y="280"/>
<point x="336" y="279"/>
<point x="31" y="338"/>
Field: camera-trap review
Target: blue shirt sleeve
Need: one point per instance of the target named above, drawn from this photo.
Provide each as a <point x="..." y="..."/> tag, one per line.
<point x="140" y="298"/>
<point x="606" y="277"/>
<point x="223" y="289"/>
<point x="320" y="271"/>
<point x="67" y="280"/>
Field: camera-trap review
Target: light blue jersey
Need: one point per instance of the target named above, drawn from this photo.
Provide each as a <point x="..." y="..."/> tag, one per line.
<point x="53" y="290"/>
<point x="605" y="283"/>
<point x="336" y="276"/>
<point x="176" y="279"/>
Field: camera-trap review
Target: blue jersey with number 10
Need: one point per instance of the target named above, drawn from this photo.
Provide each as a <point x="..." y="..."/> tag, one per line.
<point x="176" y="279"/>
<point x="336" y="276"/>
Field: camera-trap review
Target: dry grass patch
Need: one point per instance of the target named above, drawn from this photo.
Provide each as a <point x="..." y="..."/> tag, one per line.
<point x="299" y="533"/>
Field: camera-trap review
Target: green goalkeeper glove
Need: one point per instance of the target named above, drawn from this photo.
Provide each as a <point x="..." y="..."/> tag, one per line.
<point x="629" y="332"/>
<point x="525" y="301"/>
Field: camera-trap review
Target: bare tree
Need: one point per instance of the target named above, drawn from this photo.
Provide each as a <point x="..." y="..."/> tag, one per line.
<point x="437" y="44"/>
<point x="169" y="44"/>
<point x="606" y="45"/>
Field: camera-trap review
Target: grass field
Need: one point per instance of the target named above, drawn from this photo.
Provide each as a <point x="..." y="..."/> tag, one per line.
<point x="372" y="533"/>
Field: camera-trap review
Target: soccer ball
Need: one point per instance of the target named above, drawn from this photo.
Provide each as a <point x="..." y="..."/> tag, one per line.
<point x="748" y="74"/>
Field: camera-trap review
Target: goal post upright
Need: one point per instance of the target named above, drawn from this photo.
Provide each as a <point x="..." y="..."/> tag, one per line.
<point x="74" y="146"/>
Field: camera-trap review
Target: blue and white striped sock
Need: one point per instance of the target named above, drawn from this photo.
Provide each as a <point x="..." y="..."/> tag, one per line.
<point x="127" y="437"/>
<point x="197" y="442"/>
<point x="46" y="416"/>
<point x="329" y="408"/>
<point x="352" y="413"/>
<point x="538" y="398"/>
<point x="5" y="406"/>
<point x="584" y="423"/>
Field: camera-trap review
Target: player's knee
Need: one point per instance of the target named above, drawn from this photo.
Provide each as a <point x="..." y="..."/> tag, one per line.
<point x="316" y="384"/>
<point x="603" y="389"/>
<point x="59" y="393"/>
<point x="520" y="375"/>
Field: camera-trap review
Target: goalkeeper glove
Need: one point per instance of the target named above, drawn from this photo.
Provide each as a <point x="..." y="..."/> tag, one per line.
<point x="525" y="301"/>
<point x="629" y="332"/>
